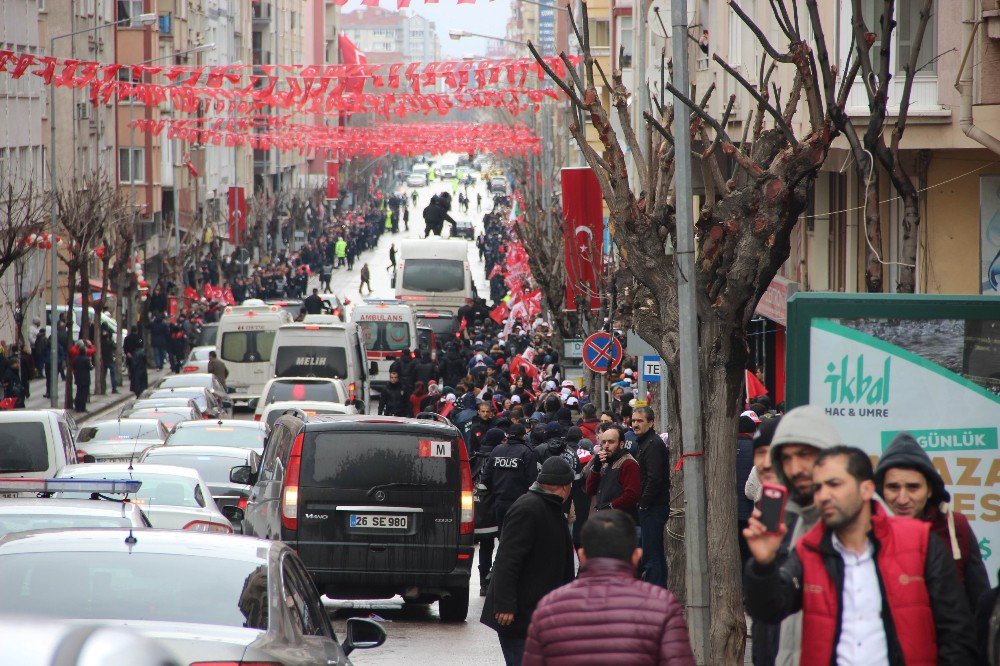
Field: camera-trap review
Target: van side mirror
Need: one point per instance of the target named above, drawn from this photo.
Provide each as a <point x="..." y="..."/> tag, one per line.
<point x="362" y="635"/>
<point x="252" y="403"/>
<point x="240" y="474"/>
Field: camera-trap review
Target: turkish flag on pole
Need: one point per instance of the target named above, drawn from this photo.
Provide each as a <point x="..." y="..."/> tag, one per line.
<point x="332" y="179"/>
<point x="583" y="231"/>
<point x="237" y="222"/>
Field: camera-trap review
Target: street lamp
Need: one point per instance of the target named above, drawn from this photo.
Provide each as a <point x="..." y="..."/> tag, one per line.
<point x="141" y="20"/>
<point x="461" y="34"/>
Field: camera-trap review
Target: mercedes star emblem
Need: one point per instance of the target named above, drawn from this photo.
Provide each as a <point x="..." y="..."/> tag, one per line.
<point x="380" y="496"/>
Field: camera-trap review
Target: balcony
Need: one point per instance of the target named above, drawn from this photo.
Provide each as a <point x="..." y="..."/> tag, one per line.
<point x="261" y="14"/>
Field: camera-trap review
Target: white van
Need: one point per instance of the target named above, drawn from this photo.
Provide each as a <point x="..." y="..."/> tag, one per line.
<point x="387" y="328"/>
<point x="434" y="275"/>
<point x="322" y="350"/>
<point x="448" y="169"/>
<point x="35" y="443"/>
<point x="245" y="339"/>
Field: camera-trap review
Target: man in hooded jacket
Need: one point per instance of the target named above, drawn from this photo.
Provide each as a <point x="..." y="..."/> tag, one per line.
<point x="907" y="480"/>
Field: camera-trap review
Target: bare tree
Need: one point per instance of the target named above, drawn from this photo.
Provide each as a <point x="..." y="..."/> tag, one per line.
<point x="742" y="239"/>
<point x="870" y="150"/>
<point x="23" y="213"/>
<point x="115" y="256"/>
<point x="86" y="204"/>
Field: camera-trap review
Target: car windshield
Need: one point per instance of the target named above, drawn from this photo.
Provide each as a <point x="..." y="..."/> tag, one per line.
<point x="195" y="394"/>
<point x="156" y="489"/>
<point x="124" y="429"/>
<point x="433" y="275"/>
<point x="218" y="435"/>
<point x="207" y="335"/>
<point x="303" y="390"/>
<point x="442" y="325"/>
<point x="200" y="354"/>
<point x="128" y="584"/>
<point x="247" y="346"/>
<point x="213" y="468"/>
<point x="302" y="361"/>
<point x="167" y="418"/>
<point x="23" y="522"/>
<point x="183" y="381"/>
<point x="23" y="447"/>
<point x="390" y="336"/>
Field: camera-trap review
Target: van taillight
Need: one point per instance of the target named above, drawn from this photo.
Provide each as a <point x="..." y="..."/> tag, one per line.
<point x="467" y="517"/>
<point x="290" y="489"/>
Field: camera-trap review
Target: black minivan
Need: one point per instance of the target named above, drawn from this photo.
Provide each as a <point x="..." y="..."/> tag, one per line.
<point x="375" y="506"/>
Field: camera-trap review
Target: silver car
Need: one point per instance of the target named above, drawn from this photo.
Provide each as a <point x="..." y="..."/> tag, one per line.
<point x="120" y="440"/>
<point x="23" y="514"/>
<point x="204" y="597"/>
<point x="30" y="641"/>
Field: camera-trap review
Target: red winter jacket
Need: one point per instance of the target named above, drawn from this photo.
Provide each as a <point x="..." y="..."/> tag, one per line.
<point x="608" y="616"/>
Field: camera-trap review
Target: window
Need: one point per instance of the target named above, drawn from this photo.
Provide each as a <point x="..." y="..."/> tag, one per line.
<point x="129" y="9"/>
<point x="908" y="15"/>
<point x="600" y="33"/>
<point x="166" y="23"/>
<point x="300" y="598"/>
<point x="23" y="448"/>
<point x="625" y="39"/>
<point x="132" y="168"/>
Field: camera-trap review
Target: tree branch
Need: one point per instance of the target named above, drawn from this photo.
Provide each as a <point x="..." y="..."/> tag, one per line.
<point x="759" y="34"/>
<point x="910" y="71"/>
<point x="555" y="79"/>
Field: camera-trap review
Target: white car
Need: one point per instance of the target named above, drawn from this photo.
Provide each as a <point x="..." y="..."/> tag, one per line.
<point x="303" y="408"/>
<point x="229" y="432"/>
<point x="121" y="440"/>
<point x="173" y="498"/>
<point x="316" y="389"/>
<point x="197" y="360"/>
<point x="416" y="179"/>
<point x="215" y="464"/>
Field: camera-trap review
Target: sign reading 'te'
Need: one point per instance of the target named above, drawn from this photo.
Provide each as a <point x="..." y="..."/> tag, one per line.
<point x="651" y="368"/>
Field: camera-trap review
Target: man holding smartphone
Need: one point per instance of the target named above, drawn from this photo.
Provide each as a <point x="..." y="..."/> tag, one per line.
<point x="874" y="590"/>
<point x="614" y="478"/>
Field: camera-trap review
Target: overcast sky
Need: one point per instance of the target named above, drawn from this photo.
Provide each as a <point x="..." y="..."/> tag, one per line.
<point x="485" y="17"/>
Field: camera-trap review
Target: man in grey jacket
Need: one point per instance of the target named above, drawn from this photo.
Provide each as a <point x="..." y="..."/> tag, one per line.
<point x="800" y="436"/>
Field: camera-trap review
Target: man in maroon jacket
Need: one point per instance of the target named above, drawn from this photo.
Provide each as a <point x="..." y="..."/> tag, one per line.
<point x="614" y="478"/>
<point x="607" y="615"/>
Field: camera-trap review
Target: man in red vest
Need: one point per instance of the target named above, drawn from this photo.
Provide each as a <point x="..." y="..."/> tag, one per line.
<point x="873" y="589"/>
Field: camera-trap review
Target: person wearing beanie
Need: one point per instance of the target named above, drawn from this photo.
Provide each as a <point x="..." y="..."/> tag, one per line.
<point x="485" y="514"/>
<point x="535" y="556"/>
<point x="801" y="435"/>
<point x="510" y="471"/>
<point x="911" y="486"/>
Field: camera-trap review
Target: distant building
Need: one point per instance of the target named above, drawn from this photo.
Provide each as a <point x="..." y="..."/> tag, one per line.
<point x="388" y="36"/>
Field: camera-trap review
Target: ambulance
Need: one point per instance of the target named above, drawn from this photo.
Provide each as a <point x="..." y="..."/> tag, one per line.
<point x="387" y="328"/>
<point x="245" y="338"/>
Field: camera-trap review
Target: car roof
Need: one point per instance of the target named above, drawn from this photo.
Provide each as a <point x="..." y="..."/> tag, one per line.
<point x="301" y="380"/>
<point x="167" y="542"/>
<point x="200" y="450"/>
<point x="189" y="375"/>
<point x="61" y="506"/>
<point x="111" y="422"/>
<point x="121" y="470"/>
<point x="183" y="410"/>
<point x="27" y="415"/>
<point x="304" y="405"/>
<point x="327" y="422"/>
<point x="174" y="389"/>
<point x="205" y="423"/>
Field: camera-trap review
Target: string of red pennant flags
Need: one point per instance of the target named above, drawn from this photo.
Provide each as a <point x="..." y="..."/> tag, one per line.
<point x="309" y="88"/>
<point x="348" y="142"/>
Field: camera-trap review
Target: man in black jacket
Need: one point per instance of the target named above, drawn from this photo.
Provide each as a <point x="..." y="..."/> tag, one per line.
<point x="313" y="303"/>
<point x="872" y="588"/>
<point x="510" y="471"/>
<point x="535" y="556"/>
<point x="392" y="400"/>
<point x="476" y="429"/>
<point x="654" y="502"/>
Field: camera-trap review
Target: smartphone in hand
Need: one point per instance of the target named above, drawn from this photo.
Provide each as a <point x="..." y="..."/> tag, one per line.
<point x="772" y="506"/>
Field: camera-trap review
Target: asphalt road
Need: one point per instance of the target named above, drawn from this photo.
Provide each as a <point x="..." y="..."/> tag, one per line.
<point x="415" y="634"/>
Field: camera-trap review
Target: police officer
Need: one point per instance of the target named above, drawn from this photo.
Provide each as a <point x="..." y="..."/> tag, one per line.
<point x="510" y="471"/>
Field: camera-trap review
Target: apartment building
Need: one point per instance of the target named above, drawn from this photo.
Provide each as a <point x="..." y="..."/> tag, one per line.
<point x="391" y="36"/>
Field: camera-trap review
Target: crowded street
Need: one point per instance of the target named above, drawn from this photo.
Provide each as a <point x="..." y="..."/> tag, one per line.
<point x="499" y="333"/>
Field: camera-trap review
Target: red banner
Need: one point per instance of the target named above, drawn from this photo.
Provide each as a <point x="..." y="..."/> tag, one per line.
<point x="583" y="229"/>
<point x="237" y="214"/>
<point x="332" y="179"/>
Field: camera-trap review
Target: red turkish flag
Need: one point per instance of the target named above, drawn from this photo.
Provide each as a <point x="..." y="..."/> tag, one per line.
<point x="584" y="235"/>
<point x="332" y="179"/>
<point x="754" y="385"/>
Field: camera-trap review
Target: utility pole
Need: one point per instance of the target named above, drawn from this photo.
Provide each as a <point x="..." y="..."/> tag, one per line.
<point x="695" y="536"/>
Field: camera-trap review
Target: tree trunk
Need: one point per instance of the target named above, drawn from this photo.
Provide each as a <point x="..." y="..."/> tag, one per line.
<point x="100" y="386"/>
<point x="873" y="232"/>
<point x="725" y="359"/>
<point x="911" y="225"/>
<point x="122" y="324"/>
<point x="71" y="285"/>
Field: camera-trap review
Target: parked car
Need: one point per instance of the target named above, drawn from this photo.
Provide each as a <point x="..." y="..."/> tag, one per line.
<point x="197" y="360"/>
<point x="320" y="389"/>
<point x="416" y="179"/>
<point x="303" y="409"/>
<point x="464" y="229"/>
<point x="208" y="400"/>
<point x="197" y="380"/>
<point x="205" y="598"/>
<point x="169" y="416"/>
<point x="374" y="506"/>
<point x="34" y="641"/>
<point x="41" y="511"/>
<point x="121" y="440"/>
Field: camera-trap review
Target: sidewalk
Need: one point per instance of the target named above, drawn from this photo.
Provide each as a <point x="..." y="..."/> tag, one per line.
<point x="98" y="404"/>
